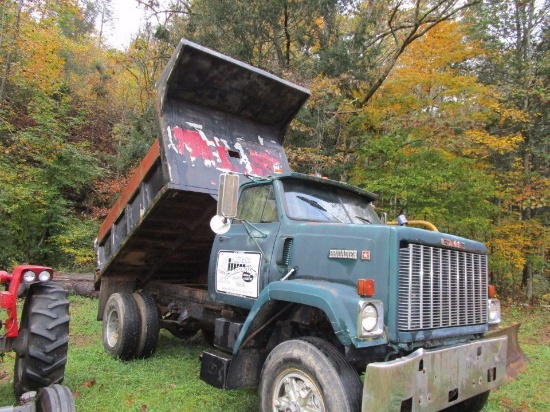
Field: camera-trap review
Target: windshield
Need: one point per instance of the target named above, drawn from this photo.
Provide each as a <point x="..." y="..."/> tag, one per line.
<point x="323" y="203"/>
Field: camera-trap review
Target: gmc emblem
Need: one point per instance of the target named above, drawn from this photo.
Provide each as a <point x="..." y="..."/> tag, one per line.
<point x="452" y="243"/>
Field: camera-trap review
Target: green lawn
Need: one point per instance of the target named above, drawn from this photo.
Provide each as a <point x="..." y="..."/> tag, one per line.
<point x="529" y="392"/>
<point x="169" y="381"/>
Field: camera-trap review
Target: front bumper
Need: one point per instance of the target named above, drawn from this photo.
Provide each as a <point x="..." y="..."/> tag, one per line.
<point x="431" y="380"/>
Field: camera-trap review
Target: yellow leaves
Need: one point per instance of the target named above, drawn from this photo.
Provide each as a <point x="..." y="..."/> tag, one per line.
<point x="513" y="241"/>
<point x="41" y="65"/>
<point x="510" y="241"/>
<point x="324" y="86"/>
<point x="429" y="94"/>
<point x="481" y="143"/>
<point x="535" y="194"/>
<point x="445" y="43"/>
<point x="312" y="158"/>
<point x="513" y="115"/>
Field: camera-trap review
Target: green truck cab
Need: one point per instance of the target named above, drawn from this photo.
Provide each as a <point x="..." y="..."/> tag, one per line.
<point x="297" y="283"/>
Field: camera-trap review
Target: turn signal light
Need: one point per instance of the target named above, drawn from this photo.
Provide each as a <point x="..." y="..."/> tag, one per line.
<point x="365" y="287"/>
<point x="491" y="291"/>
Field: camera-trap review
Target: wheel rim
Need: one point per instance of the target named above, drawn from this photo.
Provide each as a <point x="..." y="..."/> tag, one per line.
<point x="296" y="392"/>
<point x="113" y="328"/>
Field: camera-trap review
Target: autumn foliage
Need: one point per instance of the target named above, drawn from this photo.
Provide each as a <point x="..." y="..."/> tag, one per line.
<point x="443" y="112"/>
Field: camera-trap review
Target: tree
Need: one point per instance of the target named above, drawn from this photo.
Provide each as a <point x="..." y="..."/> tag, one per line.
<point x="10" y="19"/>
<point x="46" y="162"/>
<point x="421" y="144"/>
<point x="516" y="36"/>
<point x="384" y="30"/>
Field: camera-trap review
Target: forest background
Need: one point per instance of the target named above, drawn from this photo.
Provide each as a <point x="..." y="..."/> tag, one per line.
<point x="442" y="107"/>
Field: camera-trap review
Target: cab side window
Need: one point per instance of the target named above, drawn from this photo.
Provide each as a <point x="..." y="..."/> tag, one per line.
<point x="257" y="204"/>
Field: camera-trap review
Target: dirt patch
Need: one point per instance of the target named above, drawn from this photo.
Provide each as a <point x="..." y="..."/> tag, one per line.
<point x="507" y="403"/>
<point x="5" y="376"/>
<point x="545" y="334"/>
<point x="81" y="340"/>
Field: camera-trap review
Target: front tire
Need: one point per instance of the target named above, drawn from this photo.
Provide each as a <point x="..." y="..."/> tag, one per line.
<point x="121" y="326"/>
<point x="309" y="374"/>
<point x="41" y="353"/>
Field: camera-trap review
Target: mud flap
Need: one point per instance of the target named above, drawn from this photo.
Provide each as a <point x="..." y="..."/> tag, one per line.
<point x="516" y="360"/>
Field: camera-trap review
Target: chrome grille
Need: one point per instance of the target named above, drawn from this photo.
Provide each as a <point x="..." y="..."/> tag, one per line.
<point x="441" y="288"/>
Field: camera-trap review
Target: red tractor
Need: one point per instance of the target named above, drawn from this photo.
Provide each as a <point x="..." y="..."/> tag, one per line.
<point x="40" y="338"/>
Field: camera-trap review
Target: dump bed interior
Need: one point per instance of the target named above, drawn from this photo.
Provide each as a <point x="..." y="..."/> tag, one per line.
<point x="216" y="115"/>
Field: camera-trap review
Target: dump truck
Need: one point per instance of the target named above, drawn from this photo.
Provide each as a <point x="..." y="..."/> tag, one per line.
<point x="297" y="283"/>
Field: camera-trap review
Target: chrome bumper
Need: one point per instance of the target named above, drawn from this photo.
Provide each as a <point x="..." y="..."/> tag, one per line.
<point x="431" y="380"/>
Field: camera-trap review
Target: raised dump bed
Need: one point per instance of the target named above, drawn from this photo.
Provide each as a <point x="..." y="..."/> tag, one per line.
<point x="215" y="115"/>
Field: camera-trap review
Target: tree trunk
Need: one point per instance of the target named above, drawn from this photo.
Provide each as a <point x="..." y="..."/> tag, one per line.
<point x="10" y="51"/>
<point x="79" y="284"/>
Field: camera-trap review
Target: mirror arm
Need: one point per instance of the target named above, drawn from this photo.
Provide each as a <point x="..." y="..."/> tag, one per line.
<point x="245" y="224"/>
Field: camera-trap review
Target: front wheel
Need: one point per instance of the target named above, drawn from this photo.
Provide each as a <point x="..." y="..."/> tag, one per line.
<point x="309" y="374"/>
<point x="41" y="354"/>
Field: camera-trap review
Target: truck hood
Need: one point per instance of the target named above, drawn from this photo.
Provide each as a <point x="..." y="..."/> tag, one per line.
<point x="344" y="253"/>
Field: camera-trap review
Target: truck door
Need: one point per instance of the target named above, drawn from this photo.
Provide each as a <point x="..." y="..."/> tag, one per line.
<point x="241" y="257"/>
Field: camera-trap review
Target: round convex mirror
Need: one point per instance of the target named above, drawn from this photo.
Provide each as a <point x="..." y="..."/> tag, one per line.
<point x="220" y="224"/>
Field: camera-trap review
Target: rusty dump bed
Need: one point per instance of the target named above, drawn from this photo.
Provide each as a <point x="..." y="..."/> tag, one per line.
<point x="215" y="115"/>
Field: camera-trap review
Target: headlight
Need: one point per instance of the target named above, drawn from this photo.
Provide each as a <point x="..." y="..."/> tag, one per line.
<point x="44" y="276"/>
<point x="371" y="318"/>
<point x="29" y="276"/>
<point x="493" y="311"/>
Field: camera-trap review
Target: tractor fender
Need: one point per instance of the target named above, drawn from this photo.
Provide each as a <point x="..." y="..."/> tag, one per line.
<point x="339" y="302"/>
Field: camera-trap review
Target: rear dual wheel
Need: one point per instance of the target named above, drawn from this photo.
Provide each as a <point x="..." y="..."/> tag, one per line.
<point x="150" y="325"/>
<point x="130" y="325"/>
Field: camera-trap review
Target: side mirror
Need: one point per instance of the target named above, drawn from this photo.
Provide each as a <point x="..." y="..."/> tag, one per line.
<point x="228" y="195"/>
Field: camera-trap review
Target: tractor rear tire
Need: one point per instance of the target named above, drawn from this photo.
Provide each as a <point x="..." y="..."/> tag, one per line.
<point x="150" y="324"/>
<point x="41" y="351"/>
<point x="121" y="326"/>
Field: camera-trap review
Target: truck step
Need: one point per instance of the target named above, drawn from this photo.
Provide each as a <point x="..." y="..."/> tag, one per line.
<point x="226" y="333"/>
<point x="215" y="368"/>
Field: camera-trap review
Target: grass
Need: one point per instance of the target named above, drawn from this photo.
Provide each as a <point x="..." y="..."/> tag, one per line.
<point x="170" y="379"/>
<point x="529" y="392"/>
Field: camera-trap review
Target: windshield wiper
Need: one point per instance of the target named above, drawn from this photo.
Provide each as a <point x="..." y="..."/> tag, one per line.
<point x="364" y="219"/>
<point x="312" y="203"/>
<point x="316" y="205"/>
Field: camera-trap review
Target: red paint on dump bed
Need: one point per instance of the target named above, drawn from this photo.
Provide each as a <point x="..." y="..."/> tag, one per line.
<point x="192" y="142"/>
<point x="214" y="153"/>
<point x="263" y="163"/>
<point x="130" y="190"/>
<point x="200" y="148"/>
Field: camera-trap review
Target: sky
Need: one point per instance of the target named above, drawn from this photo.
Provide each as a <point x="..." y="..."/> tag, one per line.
<point x="127" y="20"/>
